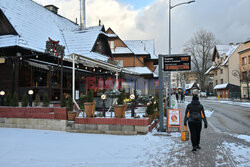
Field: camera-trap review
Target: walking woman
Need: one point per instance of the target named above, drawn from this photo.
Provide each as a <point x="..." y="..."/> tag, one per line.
<point x="194" y="115"/>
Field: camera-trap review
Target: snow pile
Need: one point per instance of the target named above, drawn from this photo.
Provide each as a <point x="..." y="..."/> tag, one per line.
<point x="239" y="153"/>
<point x="208" y="113"/>
<point x="244" y="137"/>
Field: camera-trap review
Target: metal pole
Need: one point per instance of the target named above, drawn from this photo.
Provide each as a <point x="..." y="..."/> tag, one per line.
<point x="169" y="54"/>
<point x="160" y="93"/>
<point x="61" y="91"/>
<point x="73" y="78"/>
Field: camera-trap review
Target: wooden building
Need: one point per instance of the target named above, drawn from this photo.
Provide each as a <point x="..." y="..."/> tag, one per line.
<point x="138" y="56"/>
<point x="36" y="45"/>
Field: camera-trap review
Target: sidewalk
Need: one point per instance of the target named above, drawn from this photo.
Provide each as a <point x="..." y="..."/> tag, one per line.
<point x="217" y="149"/>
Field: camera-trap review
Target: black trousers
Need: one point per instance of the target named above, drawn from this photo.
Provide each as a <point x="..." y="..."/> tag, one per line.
<point x="195" y="130"/>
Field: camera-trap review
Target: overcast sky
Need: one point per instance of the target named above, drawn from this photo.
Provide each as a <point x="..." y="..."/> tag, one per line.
<point x="148" y="19"/>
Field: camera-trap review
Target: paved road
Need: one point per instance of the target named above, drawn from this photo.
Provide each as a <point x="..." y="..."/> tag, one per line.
<point x="228" y="117"/>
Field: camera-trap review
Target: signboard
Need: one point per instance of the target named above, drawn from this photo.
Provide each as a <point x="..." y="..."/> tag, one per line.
<point x="177" y="63"/>
<point x="174" y="119"/>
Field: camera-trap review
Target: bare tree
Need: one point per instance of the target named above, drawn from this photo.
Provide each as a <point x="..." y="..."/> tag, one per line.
<point x="200" y="47"/>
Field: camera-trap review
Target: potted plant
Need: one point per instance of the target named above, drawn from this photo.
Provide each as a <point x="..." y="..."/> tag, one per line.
<point x="89" y="105"/>
<point x="120" y="108"/>
<point x="70" y="106"/>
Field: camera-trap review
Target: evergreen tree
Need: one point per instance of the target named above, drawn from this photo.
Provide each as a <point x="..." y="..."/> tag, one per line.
<point x="14" y="100"/>
<point x="7" y="100"/>
<point x="70" y="103"/>
<point x="37" y="100"/>
<point x="25" y="100"/>
<point x="90" y="96"/>
<point x="46" y="100"/>
<point x="121" y="98"/>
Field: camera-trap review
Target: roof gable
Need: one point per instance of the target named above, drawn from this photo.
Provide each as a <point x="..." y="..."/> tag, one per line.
<point x="35" y="24"/>
<point x="5" y="27"/>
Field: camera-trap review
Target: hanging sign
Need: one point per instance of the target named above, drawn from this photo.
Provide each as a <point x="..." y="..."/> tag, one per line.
<point x="174" y="118"/>
<point x="177" y="63"/>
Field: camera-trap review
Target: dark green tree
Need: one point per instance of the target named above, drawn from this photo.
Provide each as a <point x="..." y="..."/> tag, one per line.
<point x="37" y="100"/>
<point x="25" y="100"/>
<point x="70" y="103"/>
<point x="14" y="100"/>
<point x="7" y="99"/>
<point x="82" y="100"/>
<point x="46" y="100"/>
<point x="121" y="97"/>
<point x="90" y="96"/>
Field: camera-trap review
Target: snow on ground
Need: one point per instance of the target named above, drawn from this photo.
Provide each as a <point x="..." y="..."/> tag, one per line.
<point x="238" y="103"/>
<point x="208" y="113"/>
<point x="244" y="137"/>
<point x="40" y="148"/>
<point x="239" y="153"/>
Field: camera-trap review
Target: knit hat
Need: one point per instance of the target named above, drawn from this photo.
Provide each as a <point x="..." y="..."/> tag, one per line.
<point x="195" y="97"/>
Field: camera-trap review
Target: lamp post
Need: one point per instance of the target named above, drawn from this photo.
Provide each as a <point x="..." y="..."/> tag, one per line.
<point x="171" y="7"/>
<point x="132" y="97"/>
<point x="103" y="97"/>
<point x="30" y="92"/>
<point x="2" y="93"/>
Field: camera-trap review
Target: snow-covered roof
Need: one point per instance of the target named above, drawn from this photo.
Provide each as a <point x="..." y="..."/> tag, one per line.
<point x="142" y="47"/>
<point x="210" y="69"/>
<point x="35" y="24"/>
<point x="150" y="48"/>
<point x="230" y="53"/>
<point x="221" y="86"/>
<point x="189" y="86"/>
<point x="156" y="71"/>
<point x="226" y="49"/>
<point x="121" y="50"/>
<point x="140" y="70"/>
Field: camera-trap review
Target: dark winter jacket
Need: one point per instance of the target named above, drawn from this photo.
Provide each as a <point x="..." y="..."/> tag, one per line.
<point x="194" y="110"/>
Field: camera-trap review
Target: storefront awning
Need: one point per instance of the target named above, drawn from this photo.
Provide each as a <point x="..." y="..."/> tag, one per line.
<point x="221" y="86"/>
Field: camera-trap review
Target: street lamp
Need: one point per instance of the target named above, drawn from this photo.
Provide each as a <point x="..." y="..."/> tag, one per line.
<point x="171" y="7"/>
<point x="103" y="97"/>
<point x="2" y="93"/>
<point x="30" y="92"/>
<point x="132" y="97"/>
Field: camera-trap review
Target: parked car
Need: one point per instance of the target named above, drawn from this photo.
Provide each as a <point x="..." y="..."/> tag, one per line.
<point x="203" y="94"/>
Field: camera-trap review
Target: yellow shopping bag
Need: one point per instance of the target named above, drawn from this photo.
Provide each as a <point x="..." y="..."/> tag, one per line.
<point x="185" y="134"/>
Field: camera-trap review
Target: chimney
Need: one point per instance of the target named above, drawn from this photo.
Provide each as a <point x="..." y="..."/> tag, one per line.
<point x="52" y="8"/>
<point x="82" y="15"/>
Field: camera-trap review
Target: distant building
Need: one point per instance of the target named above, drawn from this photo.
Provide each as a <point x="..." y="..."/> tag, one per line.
<point x="225" y="63"/>
<point x="244" y="59"/>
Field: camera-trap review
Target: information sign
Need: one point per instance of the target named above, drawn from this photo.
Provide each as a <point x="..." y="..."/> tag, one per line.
<point x="174" y="118"/>
<point x="177" y="63"/>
